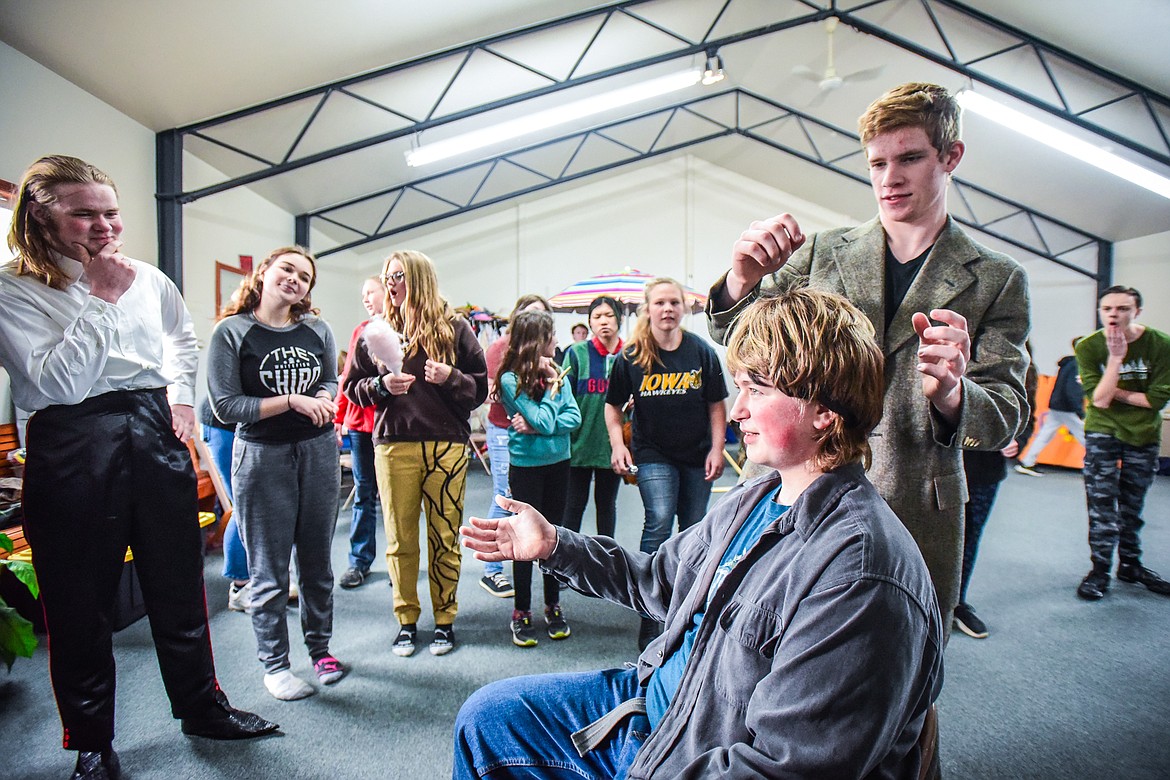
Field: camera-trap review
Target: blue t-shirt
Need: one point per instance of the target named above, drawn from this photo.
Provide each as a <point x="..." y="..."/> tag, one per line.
<point x="664" y="682"/>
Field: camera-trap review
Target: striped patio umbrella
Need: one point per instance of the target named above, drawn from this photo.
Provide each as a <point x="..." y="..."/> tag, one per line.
<point x="626" y="287"/>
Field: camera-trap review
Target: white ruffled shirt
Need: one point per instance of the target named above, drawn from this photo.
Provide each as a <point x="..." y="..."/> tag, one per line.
<point x="63" y="346"/>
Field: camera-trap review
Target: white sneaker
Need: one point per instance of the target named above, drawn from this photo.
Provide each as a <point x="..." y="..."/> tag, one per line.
<point x="240" y="597"/>
<point x="294" y="593"/>
<point x="286" y="686"/>
<point x="1028" y="471"/>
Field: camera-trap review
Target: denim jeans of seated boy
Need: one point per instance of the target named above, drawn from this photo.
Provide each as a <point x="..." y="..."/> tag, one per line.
<point x="521" y="727"/>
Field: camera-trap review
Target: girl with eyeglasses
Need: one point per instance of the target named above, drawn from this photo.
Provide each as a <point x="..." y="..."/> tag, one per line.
<point x="421" y="428"/>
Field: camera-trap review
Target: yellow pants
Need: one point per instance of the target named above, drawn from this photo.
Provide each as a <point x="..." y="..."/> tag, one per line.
<point x="411" y="475"/>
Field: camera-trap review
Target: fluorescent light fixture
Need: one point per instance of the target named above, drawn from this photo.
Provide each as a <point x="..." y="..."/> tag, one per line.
<point x="541" y="120"/>
<point x="1063" y="142"/>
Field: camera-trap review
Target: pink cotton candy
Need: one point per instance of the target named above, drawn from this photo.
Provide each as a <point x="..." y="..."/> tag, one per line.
<point x="385" y="344"/>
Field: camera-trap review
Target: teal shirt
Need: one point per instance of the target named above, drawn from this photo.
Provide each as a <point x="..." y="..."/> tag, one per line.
<point x="665" y="680"/>
<point x="553" y="417"/>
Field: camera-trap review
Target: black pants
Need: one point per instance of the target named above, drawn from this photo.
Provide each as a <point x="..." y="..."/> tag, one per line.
<point x="103" y="474"/>
<point x="544" y="487"/>
<point x="605" y="489"/>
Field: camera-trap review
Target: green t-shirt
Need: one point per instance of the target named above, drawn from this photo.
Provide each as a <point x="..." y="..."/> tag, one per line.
<point x="1146" y="369"/>
<point x="589" y="377"/>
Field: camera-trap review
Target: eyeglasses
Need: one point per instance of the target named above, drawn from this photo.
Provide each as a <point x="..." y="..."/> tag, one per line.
<point x="393" y="278"/>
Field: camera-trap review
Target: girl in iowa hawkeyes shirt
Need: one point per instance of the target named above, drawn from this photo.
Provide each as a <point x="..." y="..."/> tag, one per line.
<point x="677" y="386"/>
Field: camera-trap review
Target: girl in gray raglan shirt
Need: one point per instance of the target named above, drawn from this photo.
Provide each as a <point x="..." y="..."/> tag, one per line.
<point x="272" y="368"/>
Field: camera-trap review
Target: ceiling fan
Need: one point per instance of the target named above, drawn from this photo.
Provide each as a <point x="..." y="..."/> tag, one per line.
<point x="829" y="80"/>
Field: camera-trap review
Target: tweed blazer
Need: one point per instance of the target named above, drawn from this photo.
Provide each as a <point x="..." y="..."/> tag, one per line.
<point x="917" y="463"/>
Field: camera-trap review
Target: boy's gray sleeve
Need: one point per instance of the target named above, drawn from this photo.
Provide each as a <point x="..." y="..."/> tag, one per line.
<point x="224" y="387"/>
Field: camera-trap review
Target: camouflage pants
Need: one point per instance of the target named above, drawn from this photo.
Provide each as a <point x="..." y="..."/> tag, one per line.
<point x="1115" y="496"/>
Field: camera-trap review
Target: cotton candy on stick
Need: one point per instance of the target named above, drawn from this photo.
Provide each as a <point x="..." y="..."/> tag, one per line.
<point x="385" y="344"/>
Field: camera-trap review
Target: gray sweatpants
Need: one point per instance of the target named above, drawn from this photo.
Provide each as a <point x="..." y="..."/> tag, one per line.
<point x="286" y="494"/>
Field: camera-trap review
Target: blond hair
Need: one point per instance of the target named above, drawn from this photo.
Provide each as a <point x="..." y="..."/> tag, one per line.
<point x="818" y="347"/>
<point x="642" y="350"/>
<point x="247" y="297"/>
<point x="28" y="238"/>
<point x="915" y="104"/>
<point x="425" y="318"/>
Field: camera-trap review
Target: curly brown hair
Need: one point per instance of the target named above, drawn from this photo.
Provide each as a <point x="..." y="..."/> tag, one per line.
<point x="247" y="297"/>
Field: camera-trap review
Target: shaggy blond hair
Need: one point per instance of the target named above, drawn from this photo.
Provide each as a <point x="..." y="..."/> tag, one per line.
<point x="425" y="318"/>
<point x="915" y="104"/>
<point x="818" y="347"/>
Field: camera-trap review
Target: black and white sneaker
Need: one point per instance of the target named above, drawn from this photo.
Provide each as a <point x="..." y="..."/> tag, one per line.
<point x="404" y="643"/>
<point x="497" y="585"/>
<point x="444" y="641"/>
<point x="969" y="623"/>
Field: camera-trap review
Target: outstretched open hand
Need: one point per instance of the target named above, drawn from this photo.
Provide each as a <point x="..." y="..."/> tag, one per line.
<point x="524" y="535"/>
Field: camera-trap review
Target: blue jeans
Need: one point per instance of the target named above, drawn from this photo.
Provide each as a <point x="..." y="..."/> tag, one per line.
<point x="497" y="445"/>
<point x="520" y="727"/>
<point x="668" y="490"/>
<point x="363" y="528"/>
<point x="235" y="558"/>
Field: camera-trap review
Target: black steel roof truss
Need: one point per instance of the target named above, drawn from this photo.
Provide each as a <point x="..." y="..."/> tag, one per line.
<point x="809" y="127"/>
<point x="818" y="11"/>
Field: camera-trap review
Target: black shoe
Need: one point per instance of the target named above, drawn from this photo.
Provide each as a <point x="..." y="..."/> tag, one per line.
<point x="97" y="765"/>
<point x="1094" y="585"/>
<point x="648" y="632"/>
<point x="444" y="640"/>
<point x="226" y="722"/>
<point x="1135" y="572"/>
<point x="404" y="643"/>
<point x="969" y="623"/>
<point x="352" y="578"/>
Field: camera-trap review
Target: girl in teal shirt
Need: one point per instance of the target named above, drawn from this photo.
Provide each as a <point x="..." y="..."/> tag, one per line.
<point x="543" y="414"/>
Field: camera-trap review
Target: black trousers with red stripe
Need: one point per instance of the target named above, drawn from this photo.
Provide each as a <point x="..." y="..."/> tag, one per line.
<point x="100" y="475"/>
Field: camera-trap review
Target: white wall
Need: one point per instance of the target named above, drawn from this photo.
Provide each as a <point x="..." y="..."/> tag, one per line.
<point x="42" y="113"/>
<point x="1144" y="264"/>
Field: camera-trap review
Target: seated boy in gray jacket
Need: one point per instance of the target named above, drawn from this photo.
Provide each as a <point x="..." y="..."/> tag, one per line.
<point x="803" y="638"/>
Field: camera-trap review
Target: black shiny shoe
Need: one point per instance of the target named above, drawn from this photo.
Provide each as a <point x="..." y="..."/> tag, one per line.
<point x="226" y="722"/>
<point x="97" y="765"/>
<point x="1135" y="572"/>
<point x="1094" y="586"/>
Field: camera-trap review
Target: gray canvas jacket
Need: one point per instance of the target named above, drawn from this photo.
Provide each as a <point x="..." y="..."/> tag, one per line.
<point x="818" y="656"/>
<point x="917" y="459"/>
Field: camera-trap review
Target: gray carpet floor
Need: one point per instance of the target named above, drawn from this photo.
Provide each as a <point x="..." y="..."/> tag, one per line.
<point x="1061" y="689"/>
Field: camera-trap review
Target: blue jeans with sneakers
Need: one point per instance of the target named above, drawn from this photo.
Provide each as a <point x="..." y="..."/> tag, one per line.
<point x="497" y="446"/>
<point x="521" y="727"/>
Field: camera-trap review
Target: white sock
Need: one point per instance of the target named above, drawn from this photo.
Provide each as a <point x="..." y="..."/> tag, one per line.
<point x="286" y="686"/>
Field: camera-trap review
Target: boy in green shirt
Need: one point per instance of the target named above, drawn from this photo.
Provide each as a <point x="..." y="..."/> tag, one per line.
<point x="1125" y="373"/>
